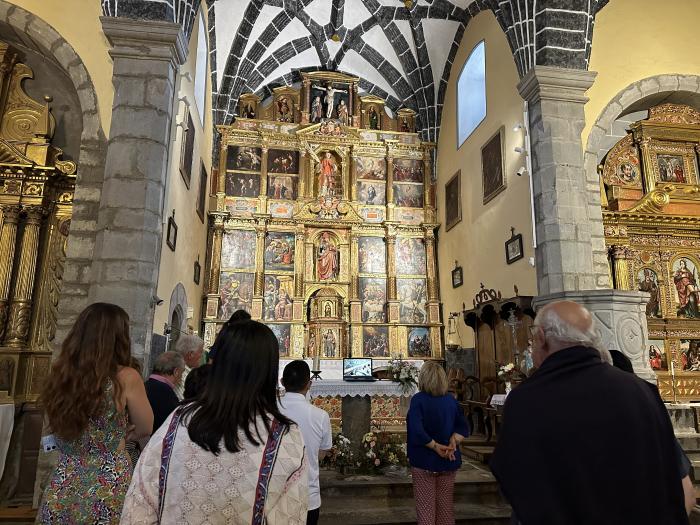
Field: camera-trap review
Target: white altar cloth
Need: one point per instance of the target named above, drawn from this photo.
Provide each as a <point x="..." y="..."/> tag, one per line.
<point x="332" y="388"/>
<point x="332" y="369"/>
<point x="7" y="421"/>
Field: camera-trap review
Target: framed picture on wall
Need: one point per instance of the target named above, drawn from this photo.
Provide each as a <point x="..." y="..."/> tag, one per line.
<point x="453" y="201"/>
<point x="197" y="272"/>
<point x="171" y="237"/>
<point x="457" y="277"/>
<point x="514" y="248"/>
<point x="492" y="173"/>
<point x="187" y="151"/>
<point x="202" y="196"/>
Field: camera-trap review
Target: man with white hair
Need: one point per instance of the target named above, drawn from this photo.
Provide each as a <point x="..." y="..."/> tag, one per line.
<point x="191" y="348"/>
<point x="584" y="442"/>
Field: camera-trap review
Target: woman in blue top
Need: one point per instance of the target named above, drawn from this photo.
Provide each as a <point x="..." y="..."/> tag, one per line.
<point x="436" y="427"/>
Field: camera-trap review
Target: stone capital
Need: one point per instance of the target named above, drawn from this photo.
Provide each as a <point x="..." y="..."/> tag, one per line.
<point x="145" y="39"/>
<point x="556" y="84"/>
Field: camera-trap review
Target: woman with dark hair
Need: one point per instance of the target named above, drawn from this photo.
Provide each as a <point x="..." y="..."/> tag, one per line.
<point x="229" y="456"/>
<point x="196" y="382"/>
<point x="87" y="395"/>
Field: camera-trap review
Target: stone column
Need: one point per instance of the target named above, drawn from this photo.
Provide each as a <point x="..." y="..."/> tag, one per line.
<point x="146" y="56"/>
<point x="20" y="317"/>
<point x="8" y="239"/>
<point x="571" y="254"/>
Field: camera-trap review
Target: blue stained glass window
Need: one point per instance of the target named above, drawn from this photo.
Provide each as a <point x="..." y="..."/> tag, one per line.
<point x="471" y="93"/>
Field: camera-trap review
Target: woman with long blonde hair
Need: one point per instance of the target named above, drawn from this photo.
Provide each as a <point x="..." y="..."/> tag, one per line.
<point x="86" y="398"/>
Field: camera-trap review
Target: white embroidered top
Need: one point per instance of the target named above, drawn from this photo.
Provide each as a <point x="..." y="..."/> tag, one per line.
<point x="204" y="489"/>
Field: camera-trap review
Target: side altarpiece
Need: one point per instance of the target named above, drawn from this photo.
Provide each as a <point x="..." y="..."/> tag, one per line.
<point x="325" y="224"/>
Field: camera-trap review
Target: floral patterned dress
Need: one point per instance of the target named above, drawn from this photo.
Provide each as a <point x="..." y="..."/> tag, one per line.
<point x="92" y="475"/>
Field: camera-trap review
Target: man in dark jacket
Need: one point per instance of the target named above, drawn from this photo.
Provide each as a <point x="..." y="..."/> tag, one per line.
<point x="160" y="386"/>
<point x="583" y="442"/>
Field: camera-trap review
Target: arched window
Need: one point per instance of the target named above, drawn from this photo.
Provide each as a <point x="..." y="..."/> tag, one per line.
<point x="200" y="75"/>
<point x="471" y="93"/>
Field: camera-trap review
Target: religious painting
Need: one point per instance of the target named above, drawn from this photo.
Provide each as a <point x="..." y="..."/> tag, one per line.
<point x="329" y="101"/>
<point x="375" y="341"/>
<point x="412" y="297"/>
<point x="330" y="341"/>
<point x="282" y="161"/>
<point x="248" y="110"/>
<point x="373" y="118"/>
<point x="284" y="108"/>
<point x="514" y="247"/>
<point x="243" y="158"/>
<point x="492" y="174"/>
<point x="371" y="193"/>
<point x="622" y="164"/>
<point x="283" y="332"/>
<point x="373" y="297"/>
<point x="371" y="255"/>
<point x="242" y="185"/>
<point x="657" y="354"/>
<point x="408" y="195"/>
<point x="329" y="175"/>
<point x="282" y="187"/>
<point x="410" y="256"/>
<point x="408" y="170"/>
<point x="238" y="249"/>
<point x="277" y="297"/>
<point x="371" y="168"/>
<point x="187" y="150"/>
<point x="279" y="251"/>
<point x="648" y="281"/>
<point x="453" y="201"/>
<point x="671" y="168"/>
<point x="690" y="355"/>
<point x="236" y="293"/>
<point x="628" y="171"/>
<point x="686" y="288"/>
<point x="327" y="258"/>
<point x="418" y="342"/>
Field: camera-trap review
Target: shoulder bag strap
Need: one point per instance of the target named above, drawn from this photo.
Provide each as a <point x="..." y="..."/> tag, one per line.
<point x="168" y="444"/>
<point x="268" y="462"/>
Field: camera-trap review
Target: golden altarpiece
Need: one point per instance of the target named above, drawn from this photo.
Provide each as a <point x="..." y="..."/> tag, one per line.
<point x="651" y="201"/>
<point x="36" y="198"/>
<point x="325" y="224"/>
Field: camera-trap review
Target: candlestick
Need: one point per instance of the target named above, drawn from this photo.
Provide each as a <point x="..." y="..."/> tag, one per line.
<point x="673" y="381"/>
<point x="317" y="362"/>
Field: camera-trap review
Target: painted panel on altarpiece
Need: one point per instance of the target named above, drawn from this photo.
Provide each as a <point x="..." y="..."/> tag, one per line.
<point x="686" y="291"/>
<point x="282" y="161"/>
<point x="418" y="342"/>
<point x="412" y="300"/>
<point x="243" y="158"/>
<point x="410" y="256"/>
<point x="408" y="195"/>
<point x="279" y="251"/>
<point x="282" y="187"/>
<point x="371" y="255"/>
<point x="277" y="298"/>
<point x="373" y="296"/>
<point x="371" y="168"/>
<point x="690" y="355"/>
<point x="371" y="193"/>
<point x="408" y="170"/>
<point x="658" y="359"/>
<point x="283" y="333"/>
<point x="236" y="292"/>
<point x="375" y="341"/>
<point x="648" y="281"/>
<point x="238" y="249"/>
<point x="242" y="184"/>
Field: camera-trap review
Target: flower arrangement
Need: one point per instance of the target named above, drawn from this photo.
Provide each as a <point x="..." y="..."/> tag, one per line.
<point x="381" y="450"/>
<point x="341" y="455"/>
<point x="507" y="372"/>
<point x="404" y="373"/>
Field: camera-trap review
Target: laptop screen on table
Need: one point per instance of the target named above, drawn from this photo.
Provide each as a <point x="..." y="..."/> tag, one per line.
<point x="357" y="367"/>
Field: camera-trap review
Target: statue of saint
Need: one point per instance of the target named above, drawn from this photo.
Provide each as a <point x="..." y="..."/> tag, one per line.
<point x="327" y="177"/>
<point x="327" y="259"/>
<point x="329" y="344"/>
<point x="316" y="110"/>
<point x="373" y="118"/>
<point x="329" y="99"/>
<point x="343" y="113"/>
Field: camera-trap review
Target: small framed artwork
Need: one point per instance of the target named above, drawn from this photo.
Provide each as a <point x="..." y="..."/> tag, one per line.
<point x="453" y="201"/>
<point x="171" y="237"/>
<point x="212" y="307"/>
<point x="197" y="272"/>
<point x="492" y="167"/>
<point x="457" y="277"/>
<point x="187" y="151"/>
<point x="514" y="248"/>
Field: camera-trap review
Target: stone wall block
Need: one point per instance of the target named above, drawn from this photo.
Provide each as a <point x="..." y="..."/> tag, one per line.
<point x="158" y="91"/>
<point x="129" y="245"/>
<point x="19" y="18"/>
<point x="668" y="83"/>
<point x="689" y="83"/>
<point x="129" y="91"/>
<point x="140" y="67"/>
<point x="129" y="219"/>
<point x="80" y="246"/>
<point x="132" y="158"/>
<point x="144" y="123"/>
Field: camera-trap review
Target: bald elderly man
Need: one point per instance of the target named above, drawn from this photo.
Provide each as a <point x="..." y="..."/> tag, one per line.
<point x="583" y="442"/>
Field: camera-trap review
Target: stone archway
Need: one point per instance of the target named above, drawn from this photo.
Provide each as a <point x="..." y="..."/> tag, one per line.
<point x="178" y="304"/>
<point x="91" y="161"/>
<point x="625" y="99"/>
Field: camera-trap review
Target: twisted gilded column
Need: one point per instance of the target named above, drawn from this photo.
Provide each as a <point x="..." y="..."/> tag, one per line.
<point x="354" y="256"/>
<point x="20" y="312"/>
<point x="430" y="258"/>
<point x="217" y="241"/>
<point x="8" y="239"/>
<point x="299" y="263"/>
<point x="263" y="174"/>
<point x="259" y="257"/>
<point x="391" y="265"/>
<point x="621" y="274"/>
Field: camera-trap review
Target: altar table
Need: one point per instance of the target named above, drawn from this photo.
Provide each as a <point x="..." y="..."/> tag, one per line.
<point x="7" y="421"/>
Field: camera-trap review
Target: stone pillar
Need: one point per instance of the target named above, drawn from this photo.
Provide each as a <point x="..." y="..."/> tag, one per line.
<point x="20" y="317"/>
<point x="146" y="56"/>
<point x="8" y="239"/>
<point x="571" y="255"/>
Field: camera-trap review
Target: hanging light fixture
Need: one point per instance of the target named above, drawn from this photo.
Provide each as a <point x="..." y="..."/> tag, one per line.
<point x="453" y="340"/>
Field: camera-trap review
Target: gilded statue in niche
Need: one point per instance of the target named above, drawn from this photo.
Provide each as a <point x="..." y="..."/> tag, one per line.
<point x="685" y="282"/>
<point x="329" y="176"/>
<point x="330" y="98"/>
<point x="330" y="342"/>
<point x="327" y="258"/>
<point x="373" y="118"/>
<point x="648" y="282"/>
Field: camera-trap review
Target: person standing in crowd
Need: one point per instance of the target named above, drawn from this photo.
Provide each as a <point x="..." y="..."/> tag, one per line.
<point x="252" y="459"/>
<point x="160" y="386"/>
<point x="191" y="348"/>
<point x="196" y="382"/>
<point x="584" y="442"/>
<point x="238" y="315"/>
<point x="315" y="426"/>
<point x="86" y="397"/>
<point x="435" y="429"/>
